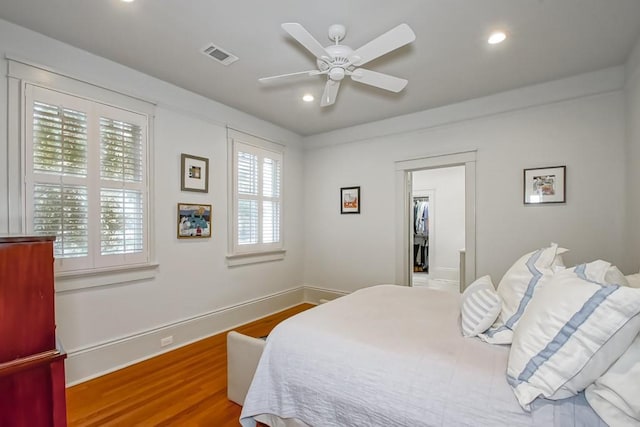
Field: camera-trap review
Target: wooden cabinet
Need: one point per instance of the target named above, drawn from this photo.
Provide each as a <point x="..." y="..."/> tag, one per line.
<point x="32" y="386"/>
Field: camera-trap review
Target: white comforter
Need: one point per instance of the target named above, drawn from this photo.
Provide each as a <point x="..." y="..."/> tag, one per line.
<point x="392" y="356"/>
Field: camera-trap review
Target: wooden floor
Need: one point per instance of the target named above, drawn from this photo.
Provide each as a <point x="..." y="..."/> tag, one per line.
<point x="185" y="387"/>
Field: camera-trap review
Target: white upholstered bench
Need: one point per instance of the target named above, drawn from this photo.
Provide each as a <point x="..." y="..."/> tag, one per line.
<point x="243" y="355"/>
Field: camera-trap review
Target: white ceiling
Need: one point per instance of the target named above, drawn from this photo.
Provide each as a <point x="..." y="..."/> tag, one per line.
<point x="450" y="60"/>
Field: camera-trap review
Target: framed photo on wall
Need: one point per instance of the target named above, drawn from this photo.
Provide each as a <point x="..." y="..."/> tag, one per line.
<point x="350" y="200"/>
<point x="194" y="221"/>
<point x="545" y="185"/>
<point x="194" y="173"/>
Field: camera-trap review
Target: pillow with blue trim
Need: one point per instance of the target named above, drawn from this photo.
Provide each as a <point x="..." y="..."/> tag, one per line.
<point x="575" y="327"/>
<point x="480" y="307"/>
<point x="615" y="395"/>
<point x="517" y="287"/>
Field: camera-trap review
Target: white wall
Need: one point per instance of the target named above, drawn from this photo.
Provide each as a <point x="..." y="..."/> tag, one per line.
<point x="446" y="219"/>
<point x="529" y="127"/>
<point x="107" y="326"/>
<point x="632" y="90"/>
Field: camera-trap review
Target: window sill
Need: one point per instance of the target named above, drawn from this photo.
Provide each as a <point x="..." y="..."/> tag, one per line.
<point x="255" y="257"/>
<point x="71" y="281"/>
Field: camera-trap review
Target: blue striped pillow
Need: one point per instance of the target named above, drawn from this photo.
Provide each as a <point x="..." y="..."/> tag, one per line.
<point x="518" y="286"/>
<point x="574" y="328"/>
<point x="480" y="307"/>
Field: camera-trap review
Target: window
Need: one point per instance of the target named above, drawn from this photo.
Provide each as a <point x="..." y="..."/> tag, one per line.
<point x="257" y="195"/>
<point x="86" y="180"/>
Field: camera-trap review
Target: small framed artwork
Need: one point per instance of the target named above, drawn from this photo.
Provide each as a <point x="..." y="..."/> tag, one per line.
<point x="194" y="221"/>
<point x="195" y="173"/>
<point x="545" y="185"/>
<point x="350" y="200"/>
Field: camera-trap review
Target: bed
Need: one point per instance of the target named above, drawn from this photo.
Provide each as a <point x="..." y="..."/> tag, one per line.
<point x="391" y="356"/>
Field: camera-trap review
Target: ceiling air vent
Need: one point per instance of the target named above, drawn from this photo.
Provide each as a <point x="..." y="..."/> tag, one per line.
<point x="223" y="57"/>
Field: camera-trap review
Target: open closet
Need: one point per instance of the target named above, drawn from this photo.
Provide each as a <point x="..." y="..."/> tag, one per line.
<point x="421" y="234"/>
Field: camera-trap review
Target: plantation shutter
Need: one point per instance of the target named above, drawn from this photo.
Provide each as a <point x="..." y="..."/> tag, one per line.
<point x="121" y="202"/>
<point x="271" y="201"/>
<point x="86" y="180"/>
<point x="247" y="173"/>
<point x="59" y="187"/>
<point x="257" y="192"/>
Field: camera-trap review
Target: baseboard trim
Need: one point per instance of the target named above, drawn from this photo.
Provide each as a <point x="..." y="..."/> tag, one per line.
<point x="444" y="273"/>
<point x="314" y="295"/>
<point x="90" y="362"/>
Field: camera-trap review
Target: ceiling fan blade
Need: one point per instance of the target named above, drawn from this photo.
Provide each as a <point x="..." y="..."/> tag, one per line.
<point x="330" y="93"/>
<point x="303" y="37"/>
<point x="284" y="76"/>
<point x="383" y="81"/>
<point x="391" y="40"/>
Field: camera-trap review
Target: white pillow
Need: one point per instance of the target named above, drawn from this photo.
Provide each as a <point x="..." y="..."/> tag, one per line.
<point x="615" y="396"/>
<point x="517" y="288"/>
<point x="615" y="277"/>
<point x="572" y="331"/>
<point x="480" y="307"/>
<point x="633" y="280"/>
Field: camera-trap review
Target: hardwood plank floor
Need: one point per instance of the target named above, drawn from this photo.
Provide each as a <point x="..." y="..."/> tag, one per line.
<point x="184" y="387"/>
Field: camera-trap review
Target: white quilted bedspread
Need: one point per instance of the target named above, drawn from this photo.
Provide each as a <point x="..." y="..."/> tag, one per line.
<point x="392" y="356"/>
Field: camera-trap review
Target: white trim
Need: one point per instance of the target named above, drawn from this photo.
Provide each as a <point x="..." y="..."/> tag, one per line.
<point x="436" y="161"/>
<point x="261" y="148"/>
<point x="254" y="258"/>
<point x="315" y="295"/>
<point x="445" y="273"/>
<point x="23" y="75"/>
<point x="255" y="140"/>
<point x="89" y="362"/>
<point x="403" y="209"/>
<point x="15" y="152"/>
<point x="583" y="85"/>
<point x="93" y="361"/>
<point x="51" y="79"/>
<point x="74" y="280"/>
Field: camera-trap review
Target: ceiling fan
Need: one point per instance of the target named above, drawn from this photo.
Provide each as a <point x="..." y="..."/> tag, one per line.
<point x="337" y="61"/>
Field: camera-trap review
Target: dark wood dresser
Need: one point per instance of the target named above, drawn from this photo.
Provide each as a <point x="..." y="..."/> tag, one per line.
<point x="32" y="385"/>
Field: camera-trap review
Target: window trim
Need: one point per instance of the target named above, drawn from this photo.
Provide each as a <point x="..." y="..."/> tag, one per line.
<point x="269" y="252"/>
<point x="22" y="72"/>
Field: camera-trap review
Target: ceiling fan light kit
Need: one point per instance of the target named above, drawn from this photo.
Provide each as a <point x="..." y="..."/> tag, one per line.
<point x="337" y="61"/>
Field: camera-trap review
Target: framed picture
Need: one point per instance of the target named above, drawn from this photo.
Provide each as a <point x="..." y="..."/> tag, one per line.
<point x="545" y="185"/>
<point x="194" y="221"/>
<point x="195" y="173"/>
<point x="350" y="200"/>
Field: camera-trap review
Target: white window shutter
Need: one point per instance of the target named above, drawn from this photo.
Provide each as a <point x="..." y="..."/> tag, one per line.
<point x="86" y="180"/>
<point x="121" y="208"/>
<point x="257" y="198"/>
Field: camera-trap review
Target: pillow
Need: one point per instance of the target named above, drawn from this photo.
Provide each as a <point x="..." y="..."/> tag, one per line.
<point x="615" y="396"/>
<point x="574" y="328"/>
<point x="517" y="288"/>
<point x="615" y="277"/>
<point x="480" y="307"/>
<point x="633" y="280"/>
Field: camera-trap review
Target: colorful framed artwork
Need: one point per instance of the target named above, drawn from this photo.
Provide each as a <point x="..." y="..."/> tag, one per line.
<point x="194" y="173"/>
<point x="194" y="221"/>
<point x="350" y="200"/>
<point x="545" y="185"/>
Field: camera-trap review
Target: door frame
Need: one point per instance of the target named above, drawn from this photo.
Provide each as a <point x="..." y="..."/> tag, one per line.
<point x="404" y="211"/>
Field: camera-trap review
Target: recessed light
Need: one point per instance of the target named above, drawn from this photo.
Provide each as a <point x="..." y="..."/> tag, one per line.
<point x="308" y="97"/>
<point x="127" y="1"/>
<point x="497" y="37"/>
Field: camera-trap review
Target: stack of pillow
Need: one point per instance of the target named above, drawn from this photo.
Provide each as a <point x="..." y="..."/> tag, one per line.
<point x="570" y="329"/>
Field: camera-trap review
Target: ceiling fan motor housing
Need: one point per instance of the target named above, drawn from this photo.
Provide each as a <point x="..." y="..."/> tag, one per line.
<point x="339" y="58"/>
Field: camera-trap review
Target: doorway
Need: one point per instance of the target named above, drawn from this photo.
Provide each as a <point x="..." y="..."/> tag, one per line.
<point x="437" y="234"/>
<point x="404" y="214"/>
